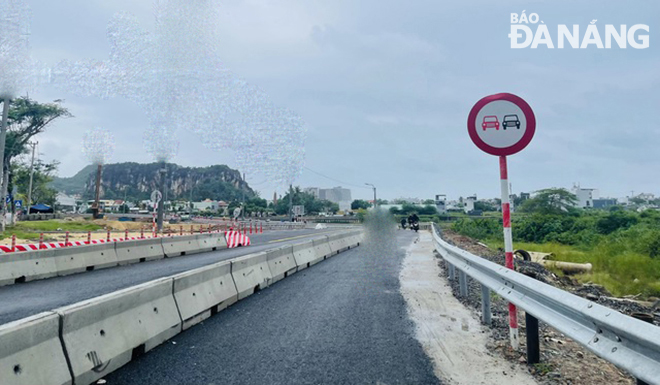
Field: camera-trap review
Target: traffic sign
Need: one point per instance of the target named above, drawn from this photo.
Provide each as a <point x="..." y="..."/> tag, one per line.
<point x="156" y="196"/>
<point x="501" y="124"/>
<point x="18" y="203"/>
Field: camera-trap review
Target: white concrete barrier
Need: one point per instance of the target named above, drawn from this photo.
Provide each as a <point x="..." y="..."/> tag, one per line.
<point x="140" y="250"/>
<point x="104" y="333"/>
<point x="321" y="249"/>
<point x="212" y="241"/>
<point x="31" y="352"/>
<point x="26" y="266"/>
<point x="180" y="245"/>
<point x="251" y="273"/>
<point x="337" y="242"/>
<point x="305" y="255"/>
<point x="202" y="292"/>
<point x="71" y="260"/>
<point x="281" y="262"/>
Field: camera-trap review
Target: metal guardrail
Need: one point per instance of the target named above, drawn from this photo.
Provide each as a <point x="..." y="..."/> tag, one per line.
<point x="628" y="343"/>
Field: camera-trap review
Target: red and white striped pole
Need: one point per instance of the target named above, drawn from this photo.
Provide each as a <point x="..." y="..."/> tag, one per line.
<point x="107" y="238"/>
<point x="89" y="237"/>
<point x="66" y="240"/>
<point x="13" y="243"/>
<point x="141" y="232"/>
<point x="126" y="235"/>
<point x="41" y="240"/>
<point x="508" y="247"/>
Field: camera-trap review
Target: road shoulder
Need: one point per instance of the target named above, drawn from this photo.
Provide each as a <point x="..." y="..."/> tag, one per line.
<point x="451" y="336"/>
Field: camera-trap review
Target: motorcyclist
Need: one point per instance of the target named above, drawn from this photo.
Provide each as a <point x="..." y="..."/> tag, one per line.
<point x="413" y="220"/>
<point x="403" y="223"/>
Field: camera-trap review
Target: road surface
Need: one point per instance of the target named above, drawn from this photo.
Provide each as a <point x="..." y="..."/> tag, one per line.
<point x="26" y="299"/>
<point x="342" y="321"/>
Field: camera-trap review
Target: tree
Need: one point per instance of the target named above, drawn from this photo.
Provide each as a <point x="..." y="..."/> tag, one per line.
<point x="360" y="204"/>
<point x="43" y="176"/>
<point x="484" y="206"/>
<point x="428" y="202"/>
<point x="550" y="201"/>
<point x="26" y="119"/>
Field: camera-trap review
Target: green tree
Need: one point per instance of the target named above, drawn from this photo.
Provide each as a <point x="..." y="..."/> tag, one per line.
<point x="550" y="201"/>
<point x="41" y="179"/>
<point x="360" y="204"/>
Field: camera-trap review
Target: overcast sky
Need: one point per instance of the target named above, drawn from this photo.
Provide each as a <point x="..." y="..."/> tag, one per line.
<point x="385" y="87"/>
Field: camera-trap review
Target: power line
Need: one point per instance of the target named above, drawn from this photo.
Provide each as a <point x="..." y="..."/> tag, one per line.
<point x="335" y="180"/>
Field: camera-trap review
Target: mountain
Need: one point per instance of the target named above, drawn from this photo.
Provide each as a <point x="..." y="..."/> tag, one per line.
<point x="136" y="181"/>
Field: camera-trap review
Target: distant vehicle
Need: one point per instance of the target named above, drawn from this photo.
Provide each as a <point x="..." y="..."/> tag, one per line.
<point x="490" y="121"/>
<point x="510" y="121"/>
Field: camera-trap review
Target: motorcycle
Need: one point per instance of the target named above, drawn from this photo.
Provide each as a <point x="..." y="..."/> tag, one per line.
<point x="415" y="226"/>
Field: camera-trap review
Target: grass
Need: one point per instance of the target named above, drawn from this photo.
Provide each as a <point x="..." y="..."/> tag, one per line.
<point x="621" y="272"/>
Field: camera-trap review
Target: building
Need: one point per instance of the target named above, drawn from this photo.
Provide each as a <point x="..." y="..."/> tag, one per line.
<point x="313" y="191"/>
<point x="585" y="196"/>
<point x="65" y="203"/>
<point x="441" y="203"/>
<point x="206" y="205"/>
<point x="604" y="203"/>
<point x="338" y="195"/>
<point x="469" y="204"/>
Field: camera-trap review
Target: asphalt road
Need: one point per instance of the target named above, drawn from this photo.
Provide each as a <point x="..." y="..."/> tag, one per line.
<point x="26" y="299"/>
<point x="342" y="321"/>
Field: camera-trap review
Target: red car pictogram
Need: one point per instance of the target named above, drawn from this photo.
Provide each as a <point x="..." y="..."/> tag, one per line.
<point x="490" y="121"/>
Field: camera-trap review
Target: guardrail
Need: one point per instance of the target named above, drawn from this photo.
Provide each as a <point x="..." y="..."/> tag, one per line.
<point x="85" y="341"/>
<point x="628" y="343"/>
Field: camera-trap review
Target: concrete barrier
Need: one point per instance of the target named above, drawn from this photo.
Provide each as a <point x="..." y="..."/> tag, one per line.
<point x="337" y="243"/>
<point x="321" y="249"/>
<point x="26" y="266"/>
<point x="212" y="241"/>
<point x="281" y="262"/>
<point x="71" y="260"/>
<point x="31" y="352"/>
<point x="202" y="292"/>
<point x="251" y="274"/>
<point x="140" y="250"/>
<point x="180" y="245"/>
<point x="104" y="333"/>
<point x="305" y="255"/>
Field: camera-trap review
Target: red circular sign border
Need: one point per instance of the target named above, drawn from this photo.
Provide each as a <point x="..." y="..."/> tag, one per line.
<point x="518" y="146"/>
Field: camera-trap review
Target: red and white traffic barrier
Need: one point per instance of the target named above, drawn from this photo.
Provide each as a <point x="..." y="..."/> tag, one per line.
<point x="508" y="247"/>
<point x="236" y="239"/>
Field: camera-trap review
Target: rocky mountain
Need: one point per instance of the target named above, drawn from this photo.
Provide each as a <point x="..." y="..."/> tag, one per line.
<point x="136" y="181"/>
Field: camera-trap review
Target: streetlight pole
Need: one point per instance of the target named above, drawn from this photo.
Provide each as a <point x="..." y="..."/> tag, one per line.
<point x="374" y="187"/>
<point x="29" y="199"/>
<point x="161" y="203"/>
<point x="3" y="135"/>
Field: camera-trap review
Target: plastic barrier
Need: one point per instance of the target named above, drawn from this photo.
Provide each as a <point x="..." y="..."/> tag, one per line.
<point x="71" y="260"/>
<point x="139" y="250"/>
<point x="251" y="274"/>
<point x="305" y="255"/>
<point x="26" y="266"/>
<point x="31" y="352"/>
<point x="182" y="245"/>
<point x="281" y="262"/>
<point x="104" y="333"/>
<point x="203" y="292"/>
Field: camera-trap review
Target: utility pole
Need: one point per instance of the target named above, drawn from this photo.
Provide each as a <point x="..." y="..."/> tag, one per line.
<point x="291" y="202"/>
<point x="374" y="187"/>
<point x="243" y="199"/>
<point x="97" y="194"/>
<point x="29" y="200"/>
<point x="3" y="135"/>
<point x="161" y="203"/>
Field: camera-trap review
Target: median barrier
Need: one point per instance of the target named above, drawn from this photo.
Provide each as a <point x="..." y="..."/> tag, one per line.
<point x="212" y="241"/>
<point x="202" y="292"/>
<point x="305" y="255"/>
<point x="281" y="262"/>
<point x="338" y="242"/>
<point x="106" y="332"/>
<point x="139" y="250"/>
<point x="71" y="260"/>
<point x="26" y="266"/>
<point x="251" y="273"/>
<point x="180" y="245"/>
<point x="321" y="249"/>
<point x="31" y="352"/>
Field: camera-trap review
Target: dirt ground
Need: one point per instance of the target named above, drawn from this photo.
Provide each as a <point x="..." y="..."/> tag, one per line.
<point x="449" y="332"/>
<point x="117" y="230"/>
<point x="563" y="361"/>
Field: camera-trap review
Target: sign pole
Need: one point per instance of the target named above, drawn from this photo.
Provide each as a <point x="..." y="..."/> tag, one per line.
<point x="508" y="247"/>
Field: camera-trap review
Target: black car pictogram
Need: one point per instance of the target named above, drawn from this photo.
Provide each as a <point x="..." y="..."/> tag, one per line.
<point x="510" y="121"/>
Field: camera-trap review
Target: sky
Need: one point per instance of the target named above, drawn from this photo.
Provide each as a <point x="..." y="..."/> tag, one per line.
<point x="385" y="88"/>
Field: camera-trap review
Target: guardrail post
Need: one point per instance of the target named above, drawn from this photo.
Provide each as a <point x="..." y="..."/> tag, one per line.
<point x="645" y="319"/>
<point x="532" y="331"/>
<point x="462" y="281"/>
<point x="452" y="272"/>
<point x="485" y="305"/>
